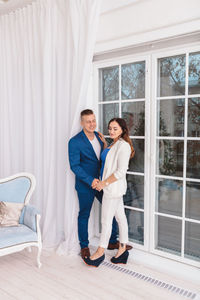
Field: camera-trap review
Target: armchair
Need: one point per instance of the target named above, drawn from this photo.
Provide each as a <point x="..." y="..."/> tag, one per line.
<point x="18" y="189"/>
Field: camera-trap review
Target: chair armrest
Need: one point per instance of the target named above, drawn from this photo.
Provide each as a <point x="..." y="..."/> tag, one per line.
<point x="30" y="214"/>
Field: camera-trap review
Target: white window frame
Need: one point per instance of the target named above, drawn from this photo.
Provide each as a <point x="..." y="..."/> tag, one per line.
<point x="151" y="58"/>
<point x="118" y="62"/>
<point x="155" y="57"/>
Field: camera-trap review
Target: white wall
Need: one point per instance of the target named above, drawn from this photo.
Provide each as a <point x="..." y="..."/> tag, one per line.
<point x="147" y="20"/>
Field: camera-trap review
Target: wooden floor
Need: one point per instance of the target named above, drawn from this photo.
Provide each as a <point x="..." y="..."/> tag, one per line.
<point x="67" y="277"/>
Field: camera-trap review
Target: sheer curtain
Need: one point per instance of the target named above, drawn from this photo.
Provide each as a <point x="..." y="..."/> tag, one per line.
<point x="46" y="54"/>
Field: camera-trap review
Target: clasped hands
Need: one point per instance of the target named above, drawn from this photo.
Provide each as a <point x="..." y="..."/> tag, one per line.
<point x="98" y="184"/>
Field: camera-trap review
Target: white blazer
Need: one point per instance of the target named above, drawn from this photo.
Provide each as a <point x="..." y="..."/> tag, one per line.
<point x="116" y="163"/>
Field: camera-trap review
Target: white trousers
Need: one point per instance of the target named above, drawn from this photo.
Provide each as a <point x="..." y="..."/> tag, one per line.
<point x="113" y="207"/>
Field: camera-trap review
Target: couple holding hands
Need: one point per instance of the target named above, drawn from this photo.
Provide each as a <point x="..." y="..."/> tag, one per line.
<point x="100" y="172"/>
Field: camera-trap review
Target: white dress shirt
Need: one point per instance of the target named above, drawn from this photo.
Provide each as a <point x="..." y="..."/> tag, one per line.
<point x="96" y="146"/>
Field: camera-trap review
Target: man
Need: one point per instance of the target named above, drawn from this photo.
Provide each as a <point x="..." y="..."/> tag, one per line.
<point x="84" y="157"/>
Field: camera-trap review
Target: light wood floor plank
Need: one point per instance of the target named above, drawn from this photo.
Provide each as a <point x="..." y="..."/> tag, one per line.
<point x="67" y="277"/>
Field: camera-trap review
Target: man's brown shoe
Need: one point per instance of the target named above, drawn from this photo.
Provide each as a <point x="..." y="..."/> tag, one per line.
<point x="116" y="246"/>
<point x="85" y="252"/>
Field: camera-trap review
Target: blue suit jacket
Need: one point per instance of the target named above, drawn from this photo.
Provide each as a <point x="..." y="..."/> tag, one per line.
<point x="83" y="161"/>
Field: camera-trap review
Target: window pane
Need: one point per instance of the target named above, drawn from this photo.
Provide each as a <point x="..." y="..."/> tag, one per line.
<point x="135" y="191"/>
<point x="194" y="117"/>
<point x="168" y="235"/>
<point x="192" y="209"/>
<point x="172" y="76"/>
<point x="133" y="81"/>
<point x="170" y="157"/>
<point x="133" y="113"/>
<point x="192" y="240"/>
<point x="169" y="196"/>
<point x="135" y="225"/>
<point x="106" y="113"/>
<point x="171" y="117"/>
<point x="194" y="73"/>
<point x="136" y="163"/>
<point x="193" y="159"/>
<point x="109" y="84"/>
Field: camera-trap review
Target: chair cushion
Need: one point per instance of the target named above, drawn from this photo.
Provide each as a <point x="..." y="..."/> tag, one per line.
<point x="10" y="213"/>
<point x="30" y="217"/>
<point x="15" y="235"/>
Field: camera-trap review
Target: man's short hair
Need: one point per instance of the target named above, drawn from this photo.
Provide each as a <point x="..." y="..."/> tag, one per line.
<point x="86" y="112"/>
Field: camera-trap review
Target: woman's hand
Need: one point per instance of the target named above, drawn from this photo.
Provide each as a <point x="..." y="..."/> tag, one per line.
<point x="102" y="138"/>
<point x="100" y="185"/>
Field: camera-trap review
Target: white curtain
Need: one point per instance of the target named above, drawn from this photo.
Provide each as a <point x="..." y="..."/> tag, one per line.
<point x="46" y="52"/>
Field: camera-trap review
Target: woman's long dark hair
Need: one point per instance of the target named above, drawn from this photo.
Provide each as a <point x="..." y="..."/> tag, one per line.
<point x="125" y="132"/>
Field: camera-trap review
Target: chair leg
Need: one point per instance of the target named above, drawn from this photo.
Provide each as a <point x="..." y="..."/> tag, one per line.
<point x="39" y="241"/>
<point x="38" y="257"/>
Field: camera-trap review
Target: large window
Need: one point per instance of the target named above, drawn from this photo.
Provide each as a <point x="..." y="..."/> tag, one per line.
<point x="122" y="93"/>
<point x="177" y="185"/>
<point x="159" y="97"/>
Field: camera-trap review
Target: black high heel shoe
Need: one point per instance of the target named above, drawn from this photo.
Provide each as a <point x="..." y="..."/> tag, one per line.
<point x="94" y="262"/>
<point x="122" y="259"/>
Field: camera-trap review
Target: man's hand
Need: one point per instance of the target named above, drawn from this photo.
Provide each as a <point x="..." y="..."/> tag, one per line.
<point x="100" y="185"/>
<point x="94" y="183"/>
<point x="101" y="136"/>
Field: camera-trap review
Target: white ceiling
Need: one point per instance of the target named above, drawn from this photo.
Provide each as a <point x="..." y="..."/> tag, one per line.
<point x="107" y="5"/>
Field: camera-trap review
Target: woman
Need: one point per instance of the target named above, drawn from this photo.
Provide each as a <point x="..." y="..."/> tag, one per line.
<point x="115" y="160"/>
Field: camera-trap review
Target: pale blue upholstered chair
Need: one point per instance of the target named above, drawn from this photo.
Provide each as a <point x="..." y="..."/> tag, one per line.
<point x="18" y="189"/>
